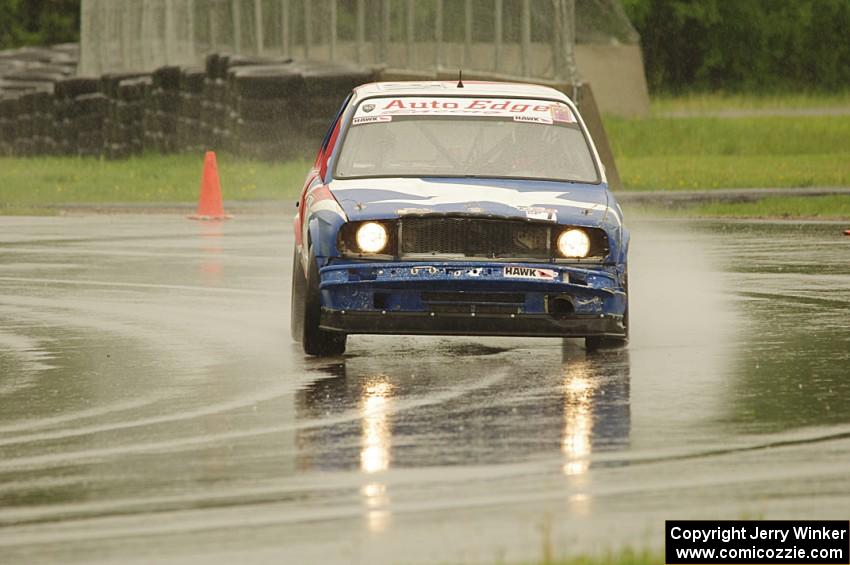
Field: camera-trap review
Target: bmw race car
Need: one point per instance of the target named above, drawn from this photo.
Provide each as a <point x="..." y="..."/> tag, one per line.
<point x="458" y="209"/>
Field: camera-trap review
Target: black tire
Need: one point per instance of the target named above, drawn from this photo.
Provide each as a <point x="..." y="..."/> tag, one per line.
<point x="314" y="340"/>
<point x="167" y="78"/>
<point x="269" y="109"/>
<point x="279" y="81"/>
<point x="192" y="79"/>
<point x="88" y="104"/>
<point x="336" y="80"/>
<point x="296" y="308"/>
<point x="76" y="86"/>
<point x="595" y="343"/>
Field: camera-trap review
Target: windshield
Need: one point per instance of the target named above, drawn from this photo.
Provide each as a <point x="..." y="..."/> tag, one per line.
<point x="458" y="137"/>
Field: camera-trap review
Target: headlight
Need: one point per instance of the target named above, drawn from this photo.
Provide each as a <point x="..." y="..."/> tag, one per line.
<point x="372" y="237"/>
<point x="574" y="243"/>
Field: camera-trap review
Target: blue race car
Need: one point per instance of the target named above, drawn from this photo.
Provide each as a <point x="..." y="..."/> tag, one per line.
<point x="458" y="209"/>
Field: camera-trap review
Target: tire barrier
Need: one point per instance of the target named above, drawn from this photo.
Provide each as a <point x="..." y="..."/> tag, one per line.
<point x="162" y="106"/>
<point x="122" y="123"/>
<point x="190" y="117"/>
<point x="257" y="107"/>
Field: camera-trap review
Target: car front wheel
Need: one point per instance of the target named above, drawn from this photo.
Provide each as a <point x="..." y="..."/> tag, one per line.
<point x="315" y="340"/>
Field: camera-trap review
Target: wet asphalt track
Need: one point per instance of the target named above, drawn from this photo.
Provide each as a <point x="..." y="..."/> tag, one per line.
<point x="155" y="409"/>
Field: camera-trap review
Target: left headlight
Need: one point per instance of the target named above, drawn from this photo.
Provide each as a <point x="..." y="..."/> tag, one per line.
<point x="372" y="237"/>
<point x="574" y="243"/>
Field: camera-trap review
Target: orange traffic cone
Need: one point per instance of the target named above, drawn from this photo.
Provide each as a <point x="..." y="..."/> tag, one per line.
<point x="210" y="206"/>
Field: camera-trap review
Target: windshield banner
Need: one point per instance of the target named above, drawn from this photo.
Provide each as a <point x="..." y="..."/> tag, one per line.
<point x="521" y="110"/>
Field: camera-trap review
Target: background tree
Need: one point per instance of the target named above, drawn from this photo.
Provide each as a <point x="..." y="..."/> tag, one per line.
<point x="38" y="22"/>
<point x="744" y="45"/>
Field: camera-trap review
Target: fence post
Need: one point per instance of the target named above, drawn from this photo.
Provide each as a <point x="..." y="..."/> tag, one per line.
<point x="237" y="25"/>
<point x="285" y="38"/>
<point x="557" y="39"/>
<point x="497" y="35"/>
<point x="569" y="37"/>
<point x="525" y="23"/>
<point x="385" y="31"/>
<point x="258" y="26"/>
<point x="211" y="42"/>
<point x="467" y="34"/>
<point x="411" y="35"/>
<point x="438" y="34"/>
<point x="190" y="40"/>
<point x="308" y="28"/>
<point x="124" y="10"/>
<point x="361" y="29"/>
<point x="170" y="32"/>
<point x="333" y="23"/>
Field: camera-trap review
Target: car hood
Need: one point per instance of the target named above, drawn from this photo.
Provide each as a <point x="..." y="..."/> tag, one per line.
<point x="563" y="203"/>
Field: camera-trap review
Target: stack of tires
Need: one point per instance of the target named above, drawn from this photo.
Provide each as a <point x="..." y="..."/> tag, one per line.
<point x="27" y="109"/>
<point x="161" y="108"/>
<point x="214" y="106"/>
<point x="284" y="110"/>
<point x="33" y="88"/>
<point x="122" y="126"/>
<point x="8" y="125"/>
<point x="219" y="107"/>
<point x="190" y="133"/>
<point x="130" y="111"/>
<point x="257" y="107"/>
<point x="325" y="88"/>
<point x="66" y="110"/>
<point x="44" y="139"/>
<point x="266" y="108"/>
<point x="24" y="142"/>
<point x="87" y="114"/>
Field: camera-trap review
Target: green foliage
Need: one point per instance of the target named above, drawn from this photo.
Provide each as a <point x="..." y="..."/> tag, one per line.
<point x="38" y="22"/>
<point x="744" y="45"/>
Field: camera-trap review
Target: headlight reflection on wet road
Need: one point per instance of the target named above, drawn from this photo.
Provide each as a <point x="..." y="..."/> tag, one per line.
<point x="376" y="441"/>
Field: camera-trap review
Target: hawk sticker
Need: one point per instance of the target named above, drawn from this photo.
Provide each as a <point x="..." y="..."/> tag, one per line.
<point x="370" y="120"/>
<point x="530" y="273"/>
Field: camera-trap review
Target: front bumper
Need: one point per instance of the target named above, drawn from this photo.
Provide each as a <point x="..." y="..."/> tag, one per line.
<point x="471" y="298"/>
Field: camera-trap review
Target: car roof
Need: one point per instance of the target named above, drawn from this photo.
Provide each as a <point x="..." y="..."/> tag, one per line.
<point x="450" y="88"/>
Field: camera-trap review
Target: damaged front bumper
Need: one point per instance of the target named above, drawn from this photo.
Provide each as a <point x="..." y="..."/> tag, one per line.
<point x="472" y="298"/>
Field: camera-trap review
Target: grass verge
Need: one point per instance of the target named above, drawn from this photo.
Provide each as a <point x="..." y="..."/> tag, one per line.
<point x="710" y="102"/>
<point x="705" y="153"/>
<point x="29" y="183"/>
<point x="781" y="207"/>
<point x="702" y="172"/>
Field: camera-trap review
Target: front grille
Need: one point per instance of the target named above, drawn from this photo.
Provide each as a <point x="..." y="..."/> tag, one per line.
<point x="473" y="237"/>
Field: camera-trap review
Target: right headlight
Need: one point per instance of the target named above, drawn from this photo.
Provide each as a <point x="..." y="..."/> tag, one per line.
<point x="574" y="243"/>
